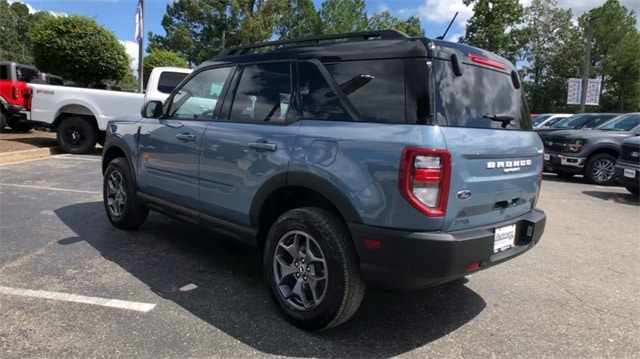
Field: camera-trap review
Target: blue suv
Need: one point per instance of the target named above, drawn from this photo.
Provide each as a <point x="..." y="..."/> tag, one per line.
<point x="348" y="160"/>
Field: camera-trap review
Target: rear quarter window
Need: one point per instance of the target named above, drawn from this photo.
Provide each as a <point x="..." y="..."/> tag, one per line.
<point x="463" y="101"/>
<point x="375" y="88"/>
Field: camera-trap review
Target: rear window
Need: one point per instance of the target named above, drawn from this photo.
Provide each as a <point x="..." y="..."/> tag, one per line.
<point x="479" y="93"/>
<point x="169" y="81"/>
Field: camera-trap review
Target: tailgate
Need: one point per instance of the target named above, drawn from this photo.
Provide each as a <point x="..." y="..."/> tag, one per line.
<point x="495" y="175"/>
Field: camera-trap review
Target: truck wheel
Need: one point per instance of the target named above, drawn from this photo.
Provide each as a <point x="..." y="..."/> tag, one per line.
<point x="77" y="135"/>
<point x="600" y="169"/>
<point x="119" y="196"/>
<point x="311" y="268"/>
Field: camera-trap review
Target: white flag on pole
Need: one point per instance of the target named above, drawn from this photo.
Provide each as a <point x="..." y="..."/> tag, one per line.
<point x="139" y="22"/>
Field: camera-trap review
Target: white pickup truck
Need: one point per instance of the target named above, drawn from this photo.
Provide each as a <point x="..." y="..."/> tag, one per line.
<point x="80" y="115"/>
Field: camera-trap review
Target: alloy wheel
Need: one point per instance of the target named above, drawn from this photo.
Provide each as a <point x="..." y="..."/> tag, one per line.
<point x="116" y="194"/>
<point x="300" y="270"/>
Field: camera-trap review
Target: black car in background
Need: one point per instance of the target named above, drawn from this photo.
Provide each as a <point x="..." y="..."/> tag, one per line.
<point x="577" y="121"/>
<point x="628" y="165"/>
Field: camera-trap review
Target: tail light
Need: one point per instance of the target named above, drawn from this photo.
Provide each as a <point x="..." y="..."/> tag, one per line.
<point x="26" y="93"/>
<point x="424" y="179"/>
<point x="14" y="92"/>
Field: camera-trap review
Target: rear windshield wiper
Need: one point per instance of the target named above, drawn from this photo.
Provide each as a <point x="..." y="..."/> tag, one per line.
<point x="504" y="119"/>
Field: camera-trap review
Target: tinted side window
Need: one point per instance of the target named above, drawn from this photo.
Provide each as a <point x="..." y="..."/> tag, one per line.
<point x="464" y="100"/>
<point x="316" y="96"/>
<point x="263" y="93"/>
<point x="199" y="96"/>
<point x="169" y="81"/>
<point x="27" y="74"/>
<point x="376" y="88"/>
<point x="599" y="120"/>
<point x="4" y="72"/>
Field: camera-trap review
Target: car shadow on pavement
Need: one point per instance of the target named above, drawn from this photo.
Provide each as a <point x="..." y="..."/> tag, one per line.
<point x="168" y="255"/>
<point x="617" y="197"/>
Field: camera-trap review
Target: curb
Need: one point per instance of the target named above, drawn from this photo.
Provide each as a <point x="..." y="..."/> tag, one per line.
<point x="36" y="153"/>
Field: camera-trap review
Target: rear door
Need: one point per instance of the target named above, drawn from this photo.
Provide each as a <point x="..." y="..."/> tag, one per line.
<point x="251" y="144"/>
<point x="496" y="159"/>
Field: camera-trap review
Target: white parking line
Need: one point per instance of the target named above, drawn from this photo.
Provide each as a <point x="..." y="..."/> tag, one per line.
<point x="104" y="302"/>
<point x="49" y="188"/>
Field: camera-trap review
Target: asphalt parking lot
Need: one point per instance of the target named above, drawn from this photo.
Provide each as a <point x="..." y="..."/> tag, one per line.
<point x="71" y="285"/>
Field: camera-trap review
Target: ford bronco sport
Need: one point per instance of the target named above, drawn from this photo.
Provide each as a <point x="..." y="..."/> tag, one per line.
<point x="346" y="159"/>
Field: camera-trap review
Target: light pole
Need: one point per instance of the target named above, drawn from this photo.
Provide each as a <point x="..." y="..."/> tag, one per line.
<point x="587" y="62"/>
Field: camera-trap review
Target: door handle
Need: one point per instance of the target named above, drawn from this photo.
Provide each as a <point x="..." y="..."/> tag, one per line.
<point x="186" y="137"/>
<point x="263" y="146"/>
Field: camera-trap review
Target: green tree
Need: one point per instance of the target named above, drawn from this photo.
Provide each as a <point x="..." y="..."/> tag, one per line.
<point x="299" y="19"/>
<point x="384" y="20"/>
<point x="616" y="45"/>
<point x="338" y="16"/>
<point x="492" y="26"/>
<point x="129" y="81"/>
<point x="160" y="57"/>
<point x="78" y="49"/>
<point x="15" y="22"/>
<point x="258" y="20"/>
<point x="195" y="29"/>
<point x="546" y="34"/>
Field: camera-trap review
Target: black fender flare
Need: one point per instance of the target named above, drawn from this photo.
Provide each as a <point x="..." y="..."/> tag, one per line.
<point x="309" y="181"/>
<point x="120" y="143"/>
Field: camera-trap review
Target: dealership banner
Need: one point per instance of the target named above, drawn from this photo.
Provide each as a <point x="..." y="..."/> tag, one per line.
<point x="593" y="92"/>
<point x="575" y="91"/>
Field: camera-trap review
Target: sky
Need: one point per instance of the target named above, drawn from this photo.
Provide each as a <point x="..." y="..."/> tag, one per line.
<point x="119" y="15"/>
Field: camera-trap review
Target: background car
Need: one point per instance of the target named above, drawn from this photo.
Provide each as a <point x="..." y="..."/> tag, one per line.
<point x="576" y="122"/>
<point x="549" y="119"/>
<point x="628" y="165"/>
<point x="591" y="153"/>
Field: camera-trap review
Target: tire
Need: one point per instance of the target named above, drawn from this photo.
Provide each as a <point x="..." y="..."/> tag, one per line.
<point x="633" y="190"/>
<point x="565" y="174"/>
<point x="123" y="208"/>
<point x="600" y="169"/>
<point x="322" y="239"/>
<point x="77" y="135"/>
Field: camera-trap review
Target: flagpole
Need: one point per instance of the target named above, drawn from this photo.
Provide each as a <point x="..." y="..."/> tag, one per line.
<point x="141" y="48"/>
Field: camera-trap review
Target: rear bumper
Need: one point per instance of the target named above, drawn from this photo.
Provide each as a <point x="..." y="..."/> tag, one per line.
<point x="565" y="163"/>
<point x="415" y="260"/>
<point x="19" y="113"/>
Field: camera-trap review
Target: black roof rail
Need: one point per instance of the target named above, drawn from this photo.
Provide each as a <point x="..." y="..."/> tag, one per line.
<point x="353" y="36"/>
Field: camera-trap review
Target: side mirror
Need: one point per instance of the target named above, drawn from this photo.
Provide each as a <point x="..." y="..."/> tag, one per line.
<point x="152" y="109"/>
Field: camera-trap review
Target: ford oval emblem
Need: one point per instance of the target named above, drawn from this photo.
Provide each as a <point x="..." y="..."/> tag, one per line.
<point x="464" y="194"/>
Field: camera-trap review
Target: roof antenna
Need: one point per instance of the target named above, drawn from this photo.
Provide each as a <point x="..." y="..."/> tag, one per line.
<point x="441" y="37"/>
